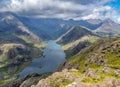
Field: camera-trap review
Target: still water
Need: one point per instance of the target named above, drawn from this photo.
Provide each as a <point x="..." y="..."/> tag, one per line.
<point x="53" y="56"/>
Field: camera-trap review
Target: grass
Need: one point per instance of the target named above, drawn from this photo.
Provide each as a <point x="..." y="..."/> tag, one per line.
<point x="62" y="79"/>
<point x="60" y="84"/>
<point x="31" y="43"/>
<point x="113" y="61"/>
<point x="5" y="48"/>
<point x="5" y="60"/>
<point x="91" y="80"/>
<point x="74" y="43"/>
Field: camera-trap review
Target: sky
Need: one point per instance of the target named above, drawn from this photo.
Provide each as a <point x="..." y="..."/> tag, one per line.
<point x="65" y="9"/>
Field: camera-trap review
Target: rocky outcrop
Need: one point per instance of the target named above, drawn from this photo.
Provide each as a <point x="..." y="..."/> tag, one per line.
<point x="106" y="83"/>
<point x="73" y="78"/>
<point x="59" y="79"/>
<point x="24" y="82"/>
<point x="98" y="63"/>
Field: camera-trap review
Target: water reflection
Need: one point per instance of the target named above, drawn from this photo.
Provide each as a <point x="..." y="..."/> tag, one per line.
<point x="52" y="57"/>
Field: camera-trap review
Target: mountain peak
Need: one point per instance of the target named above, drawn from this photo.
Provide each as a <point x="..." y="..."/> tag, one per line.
<point x="108" y="26"/>
<point x="76" y="32"/>
<point x="108" y="20"/>
<point x="94" y="21"/>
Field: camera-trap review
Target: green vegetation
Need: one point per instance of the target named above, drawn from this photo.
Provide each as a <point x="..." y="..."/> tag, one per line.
<point x="91" y="80"/>
<point x="63" y="78"/>
<point x="31" y="43"/>
<point x="89" y="38"/>
<point x="103" y="53"/>
<point x="14" y="57"/>
<point x="56" y="83"/>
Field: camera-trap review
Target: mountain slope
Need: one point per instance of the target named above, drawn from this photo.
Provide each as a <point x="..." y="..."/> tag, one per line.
<point x="73" y="34"/>
<point x="53" y="28"/>
<point x="95" y="21"/>
<point x="100" y="52"/>
<point x="76" y="39"/>
<point x="108" y="27"/>
<point x="95" y="66"/>
<point x="11" y="29"/>
<point x="14" y="57"/>
<point x="18" y="46"/>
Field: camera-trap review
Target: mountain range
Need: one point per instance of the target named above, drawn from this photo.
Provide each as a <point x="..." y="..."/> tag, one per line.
<point x="54" y="28"/>
<point x="91" y="47"/>
<point x="47" y="28"/>
<point x="11" y="27"/>
<point x="18" y="45"/>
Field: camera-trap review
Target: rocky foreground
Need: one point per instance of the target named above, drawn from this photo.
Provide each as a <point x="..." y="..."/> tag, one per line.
<point x="72" y="78"/>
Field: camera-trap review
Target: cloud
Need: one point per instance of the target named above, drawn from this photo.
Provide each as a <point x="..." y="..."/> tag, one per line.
<point x="66" y="9"/>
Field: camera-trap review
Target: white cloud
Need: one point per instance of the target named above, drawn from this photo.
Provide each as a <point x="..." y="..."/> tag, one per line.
<point x="67" y="9"/>
<point x="98" y="12"/>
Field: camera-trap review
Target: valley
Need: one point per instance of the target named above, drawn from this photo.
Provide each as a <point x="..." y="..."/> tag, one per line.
<point x="51" y="52"/>
<point x="52" y="57"/>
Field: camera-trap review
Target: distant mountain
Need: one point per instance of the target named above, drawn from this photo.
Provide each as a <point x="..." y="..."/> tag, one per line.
<point x="18" y="46"/>
<point x="54" y="28"/>
<point x="12" y="29"/>
<point x="45" y="28"/>
<point x="94" y="21"/>
<point x="76" y="38"/>
<point x="74" y="33"/>
<point x="51" y="28"/>
<point x="108" y="27"/>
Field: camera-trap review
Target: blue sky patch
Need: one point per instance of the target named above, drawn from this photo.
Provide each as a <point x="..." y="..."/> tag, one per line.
<point x="115" y="4"/>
